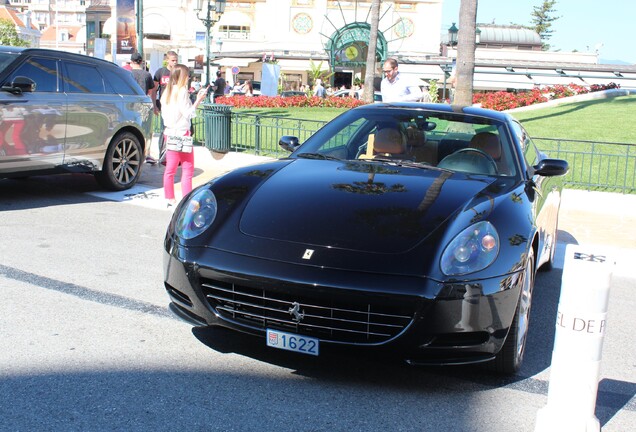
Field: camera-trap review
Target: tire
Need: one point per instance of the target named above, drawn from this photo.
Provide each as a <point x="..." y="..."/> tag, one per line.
<point x="122" y="163"/>
<point x="509" y="359"/>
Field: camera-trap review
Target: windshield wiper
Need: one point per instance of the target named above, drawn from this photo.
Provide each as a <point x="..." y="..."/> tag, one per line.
<point x="400" y="162"/>
<point x="316" y="156"/>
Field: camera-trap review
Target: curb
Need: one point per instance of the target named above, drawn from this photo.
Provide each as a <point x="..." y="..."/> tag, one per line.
<point x="605" y="94"/>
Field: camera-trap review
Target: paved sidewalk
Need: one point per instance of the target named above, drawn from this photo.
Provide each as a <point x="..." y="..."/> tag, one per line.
<point x="208" y="165"/>
<point x="601" y="219"/>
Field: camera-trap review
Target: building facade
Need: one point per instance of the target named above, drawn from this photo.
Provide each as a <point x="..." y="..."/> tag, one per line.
<point x="298" y="33"/>
<point x="301" y="35"/>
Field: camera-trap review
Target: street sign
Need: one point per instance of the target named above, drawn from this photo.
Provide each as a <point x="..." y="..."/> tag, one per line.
<point x="235" y="70"/>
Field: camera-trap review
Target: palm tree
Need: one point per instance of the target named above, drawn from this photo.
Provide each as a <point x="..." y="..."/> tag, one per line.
<point x="316" y="71"/>
<point x="369" y="74"/>
<point x="465" y="69"/>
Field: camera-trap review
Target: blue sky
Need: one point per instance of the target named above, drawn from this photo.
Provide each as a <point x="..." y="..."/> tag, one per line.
<point x="584" y="24"/>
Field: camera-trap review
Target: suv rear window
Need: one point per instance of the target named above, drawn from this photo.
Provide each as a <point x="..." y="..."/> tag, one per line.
<point x="82" y="78"/>
<point x="120" y="82"/>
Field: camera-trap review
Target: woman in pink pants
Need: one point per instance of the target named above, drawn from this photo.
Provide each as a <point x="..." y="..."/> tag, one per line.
<point x="177" y="111"/>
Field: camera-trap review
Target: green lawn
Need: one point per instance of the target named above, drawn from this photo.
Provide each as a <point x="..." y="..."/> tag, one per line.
<point x="593" y="165"/>
<point x="609" y="120"/>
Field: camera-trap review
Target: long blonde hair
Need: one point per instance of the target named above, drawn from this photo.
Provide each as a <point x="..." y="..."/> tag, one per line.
<point x="179" y="77"/>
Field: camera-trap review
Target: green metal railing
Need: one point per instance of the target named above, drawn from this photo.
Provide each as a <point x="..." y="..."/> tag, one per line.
<point x="197" y="125"/>
<point x="595" y="165"/>
<point x="255" y="133"/>
<point x="606" y="166"/>
<point x="259" y="134"/>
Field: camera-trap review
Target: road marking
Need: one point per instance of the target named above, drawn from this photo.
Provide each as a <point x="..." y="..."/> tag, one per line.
<point x="85" y="293"/>
<point x="140" y="195"/>
<point x="624" y="259"/>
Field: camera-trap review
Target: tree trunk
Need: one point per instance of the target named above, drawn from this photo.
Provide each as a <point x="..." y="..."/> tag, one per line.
<point x="465" y="69"/>
<point x="367" y="94"/>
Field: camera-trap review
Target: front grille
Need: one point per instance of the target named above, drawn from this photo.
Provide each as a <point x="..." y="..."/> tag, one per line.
<point x="357" y="320"/>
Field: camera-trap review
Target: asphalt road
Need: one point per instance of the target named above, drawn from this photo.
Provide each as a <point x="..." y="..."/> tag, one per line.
<point x="87" y="343"/>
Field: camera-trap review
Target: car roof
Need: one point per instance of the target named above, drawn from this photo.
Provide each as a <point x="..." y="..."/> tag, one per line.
<point x="54" y="53"/>
<point x="10" y="49"/>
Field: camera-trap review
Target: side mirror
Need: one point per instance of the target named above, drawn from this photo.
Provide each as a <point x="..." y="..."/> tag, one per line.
<point x="289" y="143"/>
<point x="551" y="168"/>
<point x="20" y="84"/>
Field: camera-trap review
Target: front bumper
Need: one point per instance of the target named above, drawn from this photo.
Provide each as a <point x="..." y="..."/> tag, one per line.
<point x="425" y="321"/>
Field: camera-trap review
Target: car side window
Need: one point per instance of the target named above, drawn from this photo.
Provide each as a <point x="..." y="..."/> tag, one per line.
<point x="120" y="83"/>
<point x="43" y="71"/>
<point x="345" y="138"/>
<point x="82" y="78"/>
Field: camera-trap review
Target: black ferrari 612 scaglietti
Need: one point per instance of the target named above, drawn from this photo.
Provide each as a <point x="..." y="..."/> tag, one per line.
<point x="413" y="227"/>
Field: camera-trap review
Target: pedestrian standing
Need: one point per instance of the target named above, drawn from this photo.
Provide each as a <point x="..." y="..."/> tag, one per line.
<point x="247" y="88"/>
<point x="426" y="95"/>
<point x="452" y="80"/>
<point x="218" y="86"/>
<point x="196" y="84"/>
<point x="161" y="78"/>
<point x="147" y="84"/>
<point x="319" y="90"/>
<point x="177" y="111"/>
<point x="396" y="87"/>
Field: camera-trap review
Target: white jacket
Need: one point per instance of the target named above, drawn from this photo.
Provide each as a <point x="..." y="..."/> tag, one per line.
<point x="178" y="113"/>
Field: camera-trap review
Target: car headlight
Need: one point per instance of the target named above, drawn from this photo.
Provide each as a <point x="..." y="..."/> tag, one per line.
<point x="197" y="214"/>
<point x="474" y="249"/>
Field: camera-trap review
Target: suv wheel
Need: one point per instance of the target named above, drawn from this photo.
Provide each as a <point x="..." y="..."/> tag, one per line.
<point x="122" y="163"/>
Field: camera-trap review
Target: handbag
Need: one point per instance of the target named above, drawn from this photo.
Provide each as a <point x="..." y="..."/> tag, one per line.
<point x="179" y="143"/>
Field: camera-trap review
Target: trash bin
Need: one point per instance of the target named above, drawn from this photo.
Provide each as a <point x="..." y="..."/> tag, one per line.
<point x="217" y="122"/>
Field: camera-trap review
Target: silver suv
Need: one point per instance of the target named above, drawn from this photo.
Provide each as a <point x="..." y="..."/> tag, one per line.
<point x="64" y="112"/>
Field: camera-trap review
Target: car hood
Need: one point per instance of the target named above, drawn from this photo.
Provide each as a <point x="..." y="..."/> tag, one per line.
<point x="362" y="206"/>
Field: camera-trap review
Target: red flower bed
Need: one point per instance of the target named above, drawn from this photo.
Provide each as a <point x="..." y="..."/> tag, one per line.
<point x="285" y="102"/>
<point x="499" y="101"/>
<point x="502" y="100"/>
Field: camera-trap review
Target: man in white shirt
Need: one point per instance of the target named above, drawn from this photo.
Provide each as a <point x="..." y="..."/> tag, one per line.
<point x="319" y="90"/>
<point x="396" y="87"/>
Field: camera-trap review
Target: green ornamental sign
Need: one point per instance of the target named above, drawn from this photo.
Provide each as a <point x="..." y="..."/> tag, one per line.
<point x="348" y="46"/>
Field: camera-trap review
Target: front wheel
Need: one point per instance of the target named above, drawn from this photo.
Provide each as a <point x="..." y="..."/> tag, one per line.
<point x="508" y="360"/>
<point x="122" y="163"/>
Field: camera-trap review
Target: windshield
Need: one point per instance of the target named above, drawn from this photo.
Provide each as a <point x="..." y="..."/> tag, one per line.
<point x="448" y="140"/>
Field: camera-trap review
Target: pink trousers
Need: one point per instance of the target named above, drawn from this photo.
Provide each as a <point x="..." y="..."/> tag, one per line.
<point x="173" y="159"/>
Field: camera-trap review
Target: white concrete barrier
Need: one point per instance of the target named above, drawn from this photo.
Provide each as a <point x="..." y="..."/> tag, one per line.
<point x="580" y="330"/>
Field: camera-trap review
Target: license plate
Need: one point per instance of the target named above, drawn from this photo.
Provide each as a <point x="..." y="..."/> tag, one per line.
<point x="292" y="342"/>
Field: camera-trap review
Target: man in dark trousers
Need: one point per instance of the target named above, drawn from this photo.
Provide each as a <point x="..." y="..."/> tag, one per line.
<point x="218" y="86"/>
<point x="162" y="75"/>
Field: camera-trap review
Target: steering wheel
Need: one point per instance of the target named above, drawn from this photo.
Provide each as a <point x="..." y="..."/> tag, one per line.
<point x="457" y="158"/>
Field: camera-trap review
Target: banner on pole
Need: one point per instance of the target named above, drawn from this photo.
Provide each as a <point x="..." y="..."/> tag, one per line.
<point x="126" y="27"/>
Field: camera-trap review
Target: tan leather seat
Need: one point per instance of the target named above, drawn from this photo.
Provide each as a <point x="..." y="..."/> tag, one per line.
<point x="420" y="149"/>
<point x="489" y="143"/>
<point x="389" y="142"/>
